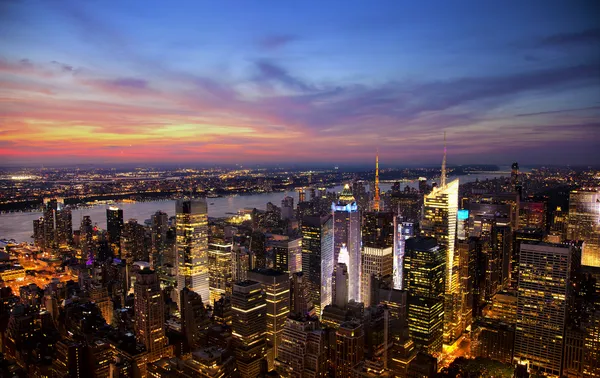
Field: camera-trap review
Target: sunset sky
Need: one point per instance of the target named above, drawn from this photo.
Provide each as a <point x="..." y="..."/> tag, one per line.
<point x="275" y="82"/>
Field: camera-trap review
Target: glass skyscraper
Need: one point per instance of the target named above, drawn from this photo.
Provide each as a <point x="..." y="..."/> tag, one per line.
<point x="192" y="246"/>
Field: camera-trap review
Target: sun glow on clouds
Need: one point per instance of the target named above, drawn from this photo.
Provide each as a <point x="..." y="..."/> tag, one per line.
<point x="109" y="98"/>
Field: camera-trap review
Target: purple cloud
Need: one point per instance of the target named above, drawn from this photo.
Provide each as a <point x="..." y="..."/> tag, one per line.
<point x="587" y="36"/>
<point x="275" y="42"/>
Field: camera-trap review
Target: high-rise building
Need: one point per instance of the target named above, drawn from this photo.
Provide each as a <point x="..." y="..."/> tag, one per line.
<point x="349" y="348"/>
<point x="514" y="178"/>
<point x="317" y="258"/>
<point x="288" y="255"/>
<point x="249" y="327"/>
<point x="160" y="227"/>
<point x="439" y="221"/>
<point x="132" y="242"/>
<point x="99" y="295"/>
<point x="303" y="349"/>
<point x="532" y="214"/>
<point x="300" y="296"/>
<point x="114" y="227"/>
<point x="193" y="317"/>
<point x="58" y="224"/>
<point x="192" y="246"/>
<point x="377" y="257"/>
<point x="584" y="224"/>
<point x="276" y="287"/>
<point x="150" y="315"/>
<point x="543" y="293"/>
<point x="287" y="208"/>
<point x="220" y="270"/>
<point x="346" y="218"/>
<point x="425" y="264"/>
<point x="521" y="235"/>
<point x="340" y="285"/>
<point x="402" y="231"/>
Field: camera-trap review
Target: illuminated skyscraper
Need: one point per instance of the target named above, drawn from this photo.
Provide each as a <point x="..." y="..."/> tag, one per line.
<point x="160" y="226"/>
<point x="514" y="178"/>
<point x="150" y="315"/>
<point x="439" y="221"/>
<point x="114" y="227"/>
<point x="58" y="224"/>
<point x="347" y="235"/>
<point x="425" y="266"/>
<point x="249" y="327"/>
<point x="317" y="258"/>
<point x="542" y="305"/>
<point x="192" y="246"/>
<point x="288" y="255"/>
<point x="377" y="256"/>
<point x="276" y="287"/>
<point x="220" y="270"/>
<point x="132" y="242"/>
<point x="349" y="348"/>
<point x="584" y="224"/>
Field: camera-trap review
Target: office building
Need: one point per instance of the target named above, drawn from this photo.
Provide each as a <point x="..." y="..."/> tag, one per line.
<point x="340" y="285"/>
<point x="349" y="348"/>
<point x="347" y="234"/>
<point x="58" y="224"/>
<point x="303" y="349"/>
<point x="424" y="273"/>
<point x="494" y="339"/>
<point x="300" y="297"/>
<point x="194" y="318"/>
<point x="249" y="327"/>
<point x="114" y="227"/>
<point x="584" y="224"/>
<point x="317" y="258"/>
<point x="220" y="270"/>
<point x="543" y="292"/>
<point x="287" y="208"/>
<point x="439" y="221"/>
<point x="287" y="255"/>
<point x="159" y="228"/>
<point x="521" y="235"/>
<point x="192" y="246"/>
<point x="132" y="242"/>
<point x="276" y="288"/>
<point x="149" y="308"/>
<point x="376" y="262"/>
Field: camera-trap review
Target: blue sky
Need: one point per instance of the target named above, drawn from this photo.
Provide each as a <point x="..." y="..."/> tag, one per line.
<point x="258" y="81"/>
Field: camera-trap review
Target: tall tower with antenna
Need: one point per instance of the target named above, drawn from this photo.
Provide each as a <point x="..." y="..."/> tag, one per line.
<point x="443" y="176"/>
<point x="376" y="206"/>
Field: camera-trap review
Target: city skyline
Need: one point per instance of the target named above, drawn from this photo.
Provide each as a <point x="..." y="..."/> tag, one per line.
<point x="207" y="83"/>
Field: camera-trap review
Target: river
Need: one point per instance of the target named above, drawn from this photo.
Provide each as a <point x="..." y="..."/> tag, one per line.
<point x="19" y="226"/>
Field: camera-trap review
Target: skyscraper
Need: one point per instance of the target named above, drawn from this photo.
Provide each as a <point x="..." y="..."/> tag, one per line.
<point x="288" y="255"/>
<point x="192" y="246"/>
<point x="58" y="224"/>
<point x="347" y="235"/>
<point x="424" y="274"/>
<point x="114" y="227"/>
<point x="276" y="287"/>
<point x="287" y="208"/>
<point x="584" y="224"/>
<point x="439" y="221"/>
<point x="542" y="305"/>
<point x="303" y="349"/>
<point x="132" y="242"/>
<point x="160" y="226"/>
<point x="317" y="258"/>
<point x="349" y="348"/>
<point x="150" y="315"/>
<point x="220" y="270"/>
<point x="249" y="327"/>
<point x="340" y="285"/>
<point x="193" y="317"/>
<point x="377" y="255"/>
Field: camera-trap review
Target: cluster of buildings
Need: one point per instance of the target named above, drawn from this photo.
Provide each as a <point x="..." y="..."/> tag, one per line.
<point x="355" y="284"/>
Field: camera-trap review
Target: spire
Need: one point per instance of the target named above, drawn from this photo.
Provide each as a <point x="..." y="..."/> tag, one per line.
<point x="443" y="176"/>
<point x="376" y="198"/>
